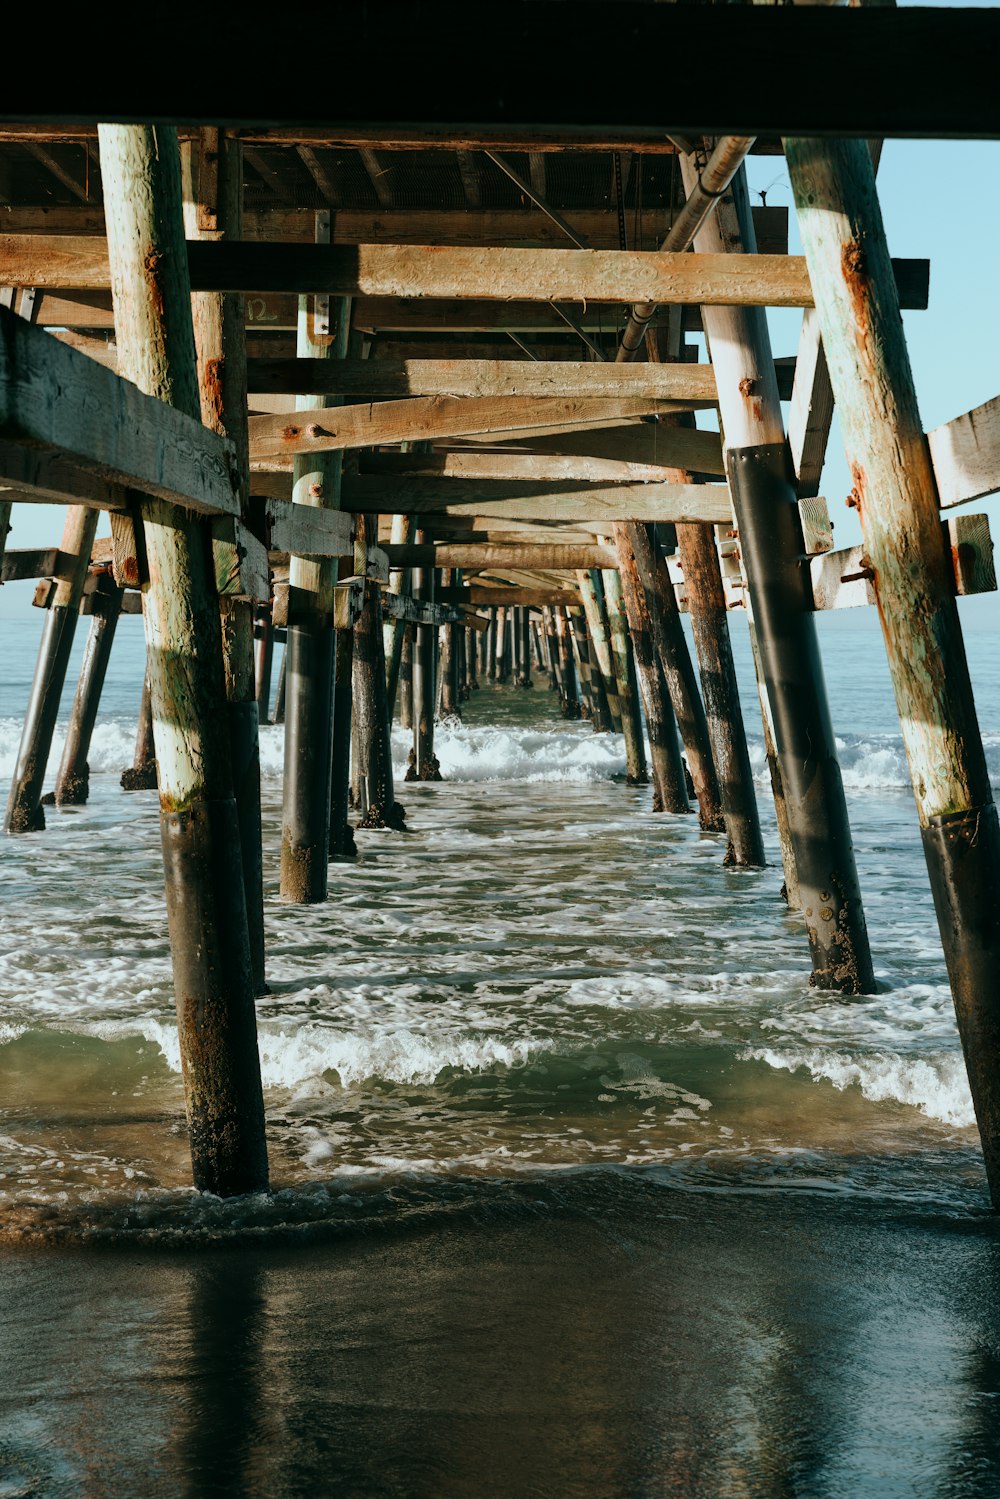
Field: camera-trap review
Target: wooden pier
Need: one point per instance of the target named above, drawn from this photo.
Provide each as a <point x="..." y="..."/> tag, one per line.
<point x="436" y="406"/>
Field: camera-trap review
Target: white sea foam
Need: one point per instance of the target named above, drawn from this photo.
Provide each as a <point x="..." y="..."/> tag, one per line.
<point x="111" y="748"/>
<point x="399" y="1055"/>
<point x="938" y="1088"/>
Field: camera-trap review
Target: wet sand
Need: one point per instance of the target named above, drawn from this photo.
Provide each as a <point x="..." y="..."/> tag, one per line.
<point x="598" y="1334"/>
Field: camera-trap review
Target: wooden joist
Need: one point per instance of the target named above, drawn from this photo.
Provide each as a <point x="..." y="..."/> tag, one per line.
<point x="304" y="530"/>
<point x="415" y="226"/>
<point x="67" y="413"/>
<point x="501" y="595"/>
<point x="845" y="580"/>
<point x="35" y="562"/>
<point x="530" y="554"/>
<point x="965" y="453"/>
<point x="544" y="468"/>
<point x="375" y="380"/>
<point x="424" y="418"/>
<point x="69" y="262"/>
<point x="671" y="503"/>
<point x="672" y="447"/>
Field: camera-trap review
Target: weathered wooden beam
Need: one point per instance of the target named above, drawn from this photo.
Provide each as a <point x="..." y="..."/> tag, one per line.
<point x="499" y="274"/>
<point x="68" y="409"/>
<point x="651" y="444"/>
<point x="488" y="554"/>
<point x="965" y="453"/>
<point x="378" y="379"/>
<point x="646" y="502"/>
<point x="519" y="467"/>
<point x="304" y="530"/>
<point x="483" y="595"/>
<point x="431" y="417"/>
<point x="35" y="562"/>
<point x="845" y="579"/>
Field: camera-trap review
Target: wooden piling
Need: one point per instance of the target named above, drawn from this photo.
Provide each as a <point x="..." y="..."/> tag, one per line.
<point x="669" y="780"/>
<point x="141" y="774"/>
<point x="279" y="693"/>
<point x="24" y="803"/>
<point x="897" y="502"/>
<point x="771" y="544"/>
<point x="623" y="661"/>
<point x="706" y="601"/>
<point x="206" y="909"/>
<point x="311" y="645"/>
<point x="600" y="713"/>
<point x="374" y="785"/>
<point x="73" y="780"/>
<point x="341" y="836"/>
<point x="394" y="630"/>
<point x="500" y="644"/>
<point x="592" y="595"/>
<point x="424" y="765"/>
<point x="263" y="665"/>
<point x="406" y="679"/>
<point x="450" y="709"/>
<point x="213" y="209"/>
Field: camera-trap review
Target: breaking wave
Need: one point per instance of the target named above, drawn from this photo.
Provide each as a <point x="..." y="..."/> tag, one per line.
<point x="938" y="1088"/>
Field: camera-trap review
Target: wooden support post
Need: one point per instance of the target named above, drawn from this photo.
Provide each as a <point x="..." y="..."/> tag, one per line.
<point x="706" y="601"/>
<point x="592" y="594"/>
<point x="264" y="666"/>
<point x="675" y="658"/>
<point x="771" y="544"/>
<point x="640" y="597"/>
<point x="311" y="648"/>
<point x="499" y="644"/>
<point x="897" y="502"/>
<point x="279" y="694"/>
<point x="515" y="639"/>
<point x="406" y="678"/>
<point x="342" y="845"/>
<point x="552" y="649"/>
<point x="525" y="636"/>
<point x="141" y="774"/>
<point x="73" y="780"/>
<point x="567" y="672"/>
<point x="536" y="643"/>
<point x="424" y="765"/>
<point x="600" y="714"/>
<point x="581" y="665"/>
<point x="394" y="630"/>
<point x="623" y="660"/>
<point x="375" y="789"/>
<point x="206" y="909"/>
<point x="213" y="210"/>
<point x="24" y="804"/>
<point x="471" y="661"/>
<point x="450" y="709"/>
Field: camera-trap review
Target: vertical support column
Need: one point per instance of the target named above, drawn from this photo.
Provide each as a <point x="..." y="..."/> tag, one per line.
<point x="450" y="706"/>
<point x="567" y="669"/>
<point x="264" y="664"/>
<point x="525" y="647"/>
<point x="214" y="211"/>
<point x="406" y="678"/>
<point x="394" y="630"/>
<point x="628" y="687"/>
<point x="206" y="909"/>
<point x="592" y="594"/>
<point x="600" y="713"/>
<point x="311" y="650"/>
<point x="500" y="643"/>
<point x="141" y="774"/>
<point x="279" y="695"/>
<point x="552" y="650"/>
<point x="73" y="780"/>
<point x="373" y="772"/>
<point x="706" y="601"/>
<point x="771" y="544"/>
<point x="669" y="780"/>
<point x="652" y="576"/>
<point x="897" y="503"/>
<point x="342" y="844"/>
<point x="424" y="765"/>
<point x="24" y="804"/>
<point x="516" y="642"/>
<point x="581" y="661"/>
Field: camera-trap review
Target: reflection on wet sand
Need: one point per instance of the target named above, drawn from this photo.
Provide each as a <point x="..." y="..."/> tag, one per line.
<point x="607" y="1337"/>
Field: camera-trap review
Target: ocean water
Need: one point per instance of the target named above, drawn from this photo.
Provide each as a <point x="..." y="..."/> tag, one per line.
<point x="578" y="1186"/>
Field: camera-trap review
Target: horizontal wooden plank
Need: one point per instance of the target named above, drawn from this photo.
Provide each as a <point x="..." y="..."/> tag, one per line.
<point x="668" y="503"/>
<point x="35" y="562"/>
<point x="521" y="468"/>
<point x="456" y="272"/>
<point x="410" y="226"/>
<point x="428" y="418"/>
<point x="965" y="453"/>
<point x="845" y="579"/>
<point x="303" y="530"/>
<point x="687" y="448"/>
<point x="500" y="596"/>
<point x="55" y="400"/>
<point x="548" y="555"/>
<point x="419" y="611"/>
<point x="374" y="380"/>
